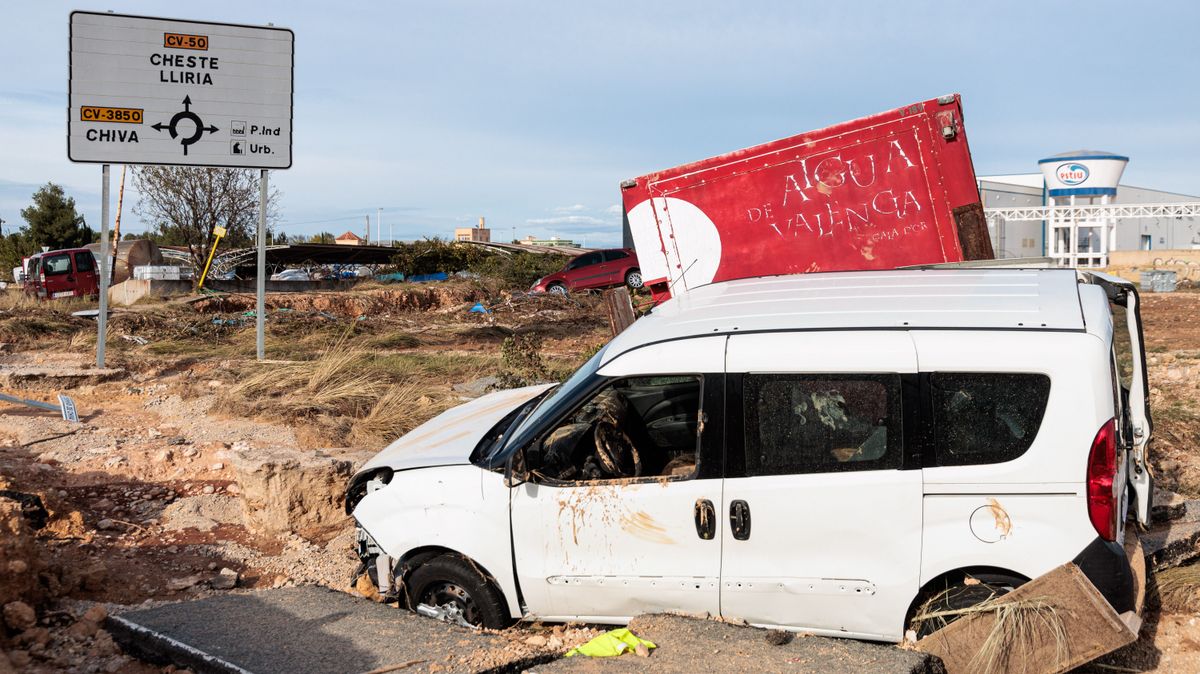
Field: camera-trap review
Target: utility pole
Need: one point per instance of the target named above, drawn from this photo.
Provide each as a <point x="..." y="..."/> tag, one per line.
<point x="378" y="226"/>
<point x="368" y="219"/>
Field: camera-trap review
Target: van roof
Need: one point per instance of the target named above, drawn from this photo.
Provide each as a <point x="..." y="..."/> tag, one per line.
<point x="969" y="299"/>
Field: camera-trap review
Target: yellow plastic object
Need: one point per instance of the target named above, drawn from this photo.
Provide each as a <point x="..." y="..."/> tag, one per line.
<point x="610" y="644"/>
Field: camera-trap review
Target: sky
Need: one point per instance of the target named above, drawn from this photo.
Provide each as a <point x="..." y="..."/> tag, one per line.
<point x="531" y="114"/>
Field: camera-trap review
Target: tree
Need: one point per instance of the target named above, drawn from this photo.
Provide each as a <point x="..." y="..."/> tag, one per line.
<point x="13" y="247"/>
<point x="51" y="221"/>
<point x="54" y="222"/>
<point x="187" y="204"/>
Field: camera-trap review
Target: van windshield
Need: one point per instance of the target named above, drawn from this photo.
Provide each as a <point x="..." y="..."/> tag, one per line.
<point x="551" y="406"/>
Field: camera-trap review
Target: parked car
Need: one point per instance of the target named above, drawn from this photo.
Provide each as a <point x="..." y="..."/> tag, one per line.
<point x="294" y="275"/>
<point x="597" y="269"/>
<point x="819" y="452"/>
<point x="71" y="272"/>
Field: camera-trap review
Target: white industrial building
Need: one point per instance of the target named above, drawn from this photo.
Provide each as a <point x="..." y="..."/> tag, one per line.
<point x="1075" y="210"/>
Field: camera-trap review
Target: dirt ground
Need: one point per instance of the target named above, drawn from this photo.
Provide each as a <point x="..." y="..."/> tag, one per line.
<point x="145" y="499"/>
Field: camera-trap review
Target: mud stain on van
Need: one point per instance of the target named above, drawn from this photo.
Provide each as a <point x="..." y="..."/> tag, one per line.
<point x="594" y="503"/>
<point x="1002" y="521"/>
<point x="641" y="525"/>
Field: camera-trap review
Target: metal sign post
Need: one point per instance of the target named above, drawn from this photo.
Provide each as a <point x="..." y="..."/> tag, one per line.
<point x="105" y="271"/>
<point x="261" y="274"/>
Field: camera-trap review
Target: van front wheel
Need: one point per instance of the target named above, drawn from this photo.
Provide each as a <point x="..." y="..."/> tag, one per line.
<point x="450" y="588"/>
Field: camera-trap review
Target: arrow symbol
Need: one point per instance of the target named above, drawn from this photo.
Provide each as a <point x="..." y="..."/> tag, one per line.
<point x="187" y="114"/>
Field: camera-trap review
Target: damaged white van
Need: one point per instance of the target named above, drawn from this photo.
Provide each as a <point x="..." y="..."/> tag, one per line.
<point x="819" y="452"/>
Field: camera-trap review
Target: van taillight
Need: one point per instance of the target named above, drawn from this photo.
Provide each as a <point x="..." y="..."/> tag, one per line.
<point x="1101" y="472"/>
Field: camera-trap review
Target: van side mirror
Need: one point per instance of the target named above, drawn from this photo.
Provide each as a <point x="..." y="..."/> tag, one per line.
<point x="514" y="472"/>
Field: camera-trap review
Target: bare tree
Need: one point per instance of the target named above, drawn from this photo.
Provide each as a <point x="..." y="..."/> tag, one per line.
<point x="186" y="204"/>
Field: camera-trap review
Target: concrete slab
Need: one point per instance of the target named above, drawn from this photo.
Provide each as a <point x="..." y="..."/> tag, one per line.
<point x="690" y="645"/>
<point x="1171" y="544"/>
<point x="308" y="629"/>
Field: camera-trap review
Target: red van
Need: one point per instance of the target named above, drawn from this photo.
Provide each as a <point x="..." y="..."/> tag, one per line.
<point x="62" y="273"/>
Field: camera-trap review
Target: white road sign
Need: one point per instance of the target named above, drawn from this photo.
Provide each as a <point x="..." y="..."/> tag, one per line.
<point x="164" y="91"/>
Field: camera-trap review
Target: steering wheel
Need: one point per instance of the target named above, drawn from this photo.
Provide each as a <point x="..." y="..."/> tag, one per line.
<point x="616" y="452"/>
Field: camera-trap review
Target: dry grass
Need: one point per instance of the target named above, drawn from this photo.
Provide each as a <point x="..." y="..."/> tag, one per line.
<point x="347" y="393"/>
<point x="1179" y="588"/>
<point x="25" y="320"/>
<point x="397" y="412"/>
<point x="334" y="384"/>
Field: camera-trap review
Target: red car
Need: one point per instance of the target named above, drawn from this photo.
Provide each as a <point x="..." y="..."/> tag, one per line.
<point x="62" y="273"/>
<point x="597" y="269"/>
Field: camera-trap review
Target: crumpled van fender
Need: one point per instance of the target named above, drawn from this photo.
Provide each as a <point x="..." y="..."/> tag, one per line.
<point x="460" y="508"/>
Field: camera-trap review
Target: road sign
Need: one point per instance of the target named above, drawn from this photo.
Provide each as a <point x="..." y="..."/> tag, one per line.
<point x="191" y="93"/>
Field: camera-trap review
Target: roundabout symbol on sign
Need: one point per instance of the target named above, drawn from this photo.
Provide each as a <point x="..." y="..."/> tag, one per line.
<point x="186" y="113"/>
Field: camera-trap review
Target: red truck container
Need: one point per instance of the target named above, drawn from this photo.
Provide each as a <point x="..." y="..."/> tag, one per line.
<point x="890" y="190"/>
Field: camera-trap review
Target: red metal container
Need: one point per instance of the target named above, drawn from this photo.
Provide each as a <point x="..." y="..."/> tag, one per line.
<point x="890" y="190"/>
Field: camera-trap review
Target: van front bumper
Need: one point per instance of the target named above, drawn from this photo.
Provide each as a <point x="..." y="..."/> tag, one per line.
<point x="1107" y="566"/>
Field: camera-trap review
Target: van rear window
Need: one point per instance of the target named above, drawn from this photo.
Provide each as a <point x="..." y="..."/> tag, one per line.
<point x="56" y="264"/>
<point x="983" y="418"/>
<point x="84" y="262"/>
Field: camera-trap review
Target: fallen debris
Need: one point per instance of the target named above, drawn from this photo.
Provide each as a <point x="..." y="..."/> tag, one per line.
<point x="1051" y="624"/>
<point x="613" y="643"/>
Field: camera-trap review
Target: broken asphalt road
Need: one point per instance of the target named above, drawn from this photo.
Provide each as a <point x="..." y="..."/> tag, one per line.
<point x="316" y="630"/>
<point x="307" y="629"/>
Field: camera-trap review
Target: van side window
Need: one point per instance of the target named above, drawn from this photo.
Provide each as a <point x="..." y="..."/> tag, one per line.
<point x="636" y="427"/>
<point x="56" y="265"/>
<point x="84" y="262"/>
<point x="821" y="423"/>
<point x="981" y="418"/>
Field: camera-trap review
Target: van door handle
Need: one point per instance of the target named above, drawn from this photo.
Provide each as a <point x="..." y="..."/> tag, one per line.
<point x="706" y="519"/>
<point x="739" y="519"/>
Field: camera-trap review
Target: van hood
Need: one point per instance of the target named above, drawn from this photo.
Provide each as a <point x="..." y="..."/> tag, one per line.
<point x="449" y="438"/>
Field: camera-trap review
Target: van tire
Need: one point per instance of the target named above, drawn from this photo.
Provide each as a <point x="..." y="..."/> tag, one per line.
<point x="452" y="578"/>
<point x="955" y="593"/>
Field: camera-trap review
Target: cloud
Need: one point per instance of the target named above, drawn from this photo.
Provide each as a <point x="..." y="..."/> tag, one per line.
<point x="615" y="209"/>
<point x="576" y="208"/>
<point x="568" y="220"/>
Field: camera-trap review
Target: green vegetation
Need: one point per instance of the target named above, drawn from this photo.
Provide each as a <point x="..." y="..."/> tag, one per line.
<point x="516" y="270"/>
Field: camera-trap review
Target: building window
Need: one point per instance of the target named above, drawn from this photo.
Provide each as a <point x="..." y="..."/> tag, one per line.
<point x="1147" y="241"/>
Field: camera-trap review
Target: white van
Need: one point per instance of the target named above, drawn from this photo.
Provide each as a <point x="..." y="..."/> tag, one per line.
<point x="817" y="452"/>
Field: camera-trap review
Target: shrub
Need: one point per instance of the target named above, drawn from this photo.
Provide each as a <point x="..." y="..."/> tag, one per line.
<point x="518" y="270"/>
<point x="431" y="256"/>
